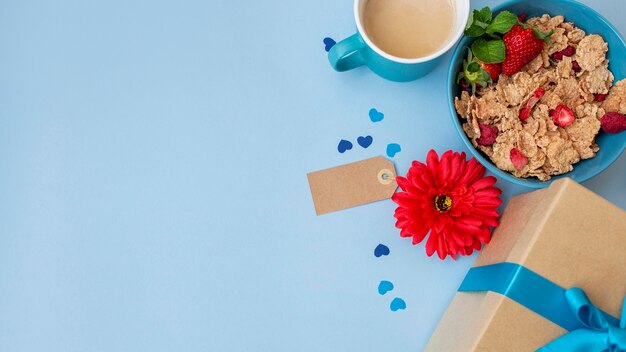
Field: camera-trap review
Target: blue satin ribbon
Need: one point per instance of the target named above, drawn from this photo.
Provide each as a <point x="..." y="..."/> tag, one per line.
<point x="591" y="329"/>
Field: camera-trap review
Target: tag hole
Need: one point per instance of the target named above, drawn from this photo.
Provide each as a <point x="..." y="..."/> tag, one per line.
<point x="385" y="176"/>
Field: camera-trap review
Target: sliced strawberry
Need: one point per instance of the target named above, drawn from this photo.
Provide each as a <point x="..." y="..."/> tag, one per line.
<point x="518" y="159"/>
<point x="613" y="122"/>
<point x="527" y="110"/>
<point x="488" y="135"/>
<point x="600" y="97"/>
<point x="524" y="114"/>
<point x="569" y="51"/>
<point x="473" y="75"/>
<point x="563" y="116"/>
<point x="576" y="67"/>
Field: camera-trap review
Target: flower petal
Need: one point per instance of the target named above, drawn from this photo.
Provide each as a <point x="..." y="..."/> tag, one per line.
<point x="474" y="172"/>
<point x="431" y="243"/>
<point x="483" y="183"/>
<point x="489" y="192"/>
<point x="487" y="201"/>
<point x="442" y="248"/>
<point x="457" y="168"/>
<point x="420" y="234"/>
<point x="403" y="183"/>
<point x="444" y="168"/>
<point x="480" y="212"/>
<point x="405" y="200"/>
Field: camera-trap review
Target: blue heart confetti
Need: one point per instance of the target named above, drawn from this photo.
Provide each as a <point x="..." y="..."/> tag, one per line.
<point x="384" y="287"/>
<point x="328" y="43"/>
<point x="397" y="304"/>
<point x="344" y="145"/>
<point x="381" y="250"/>
<point x="365" y="141"/>
<point x="375" y="115"/>
<point x="393" y="149"/>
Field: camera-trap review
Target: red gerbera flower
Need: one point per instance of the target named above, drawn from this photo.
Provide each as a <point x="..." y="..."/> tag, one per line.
<point x="451" y="199"/>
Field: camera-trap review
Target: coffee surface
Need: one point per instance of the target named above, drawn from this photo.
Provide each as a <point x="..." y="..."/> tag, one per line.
<point x="409" y="28"/>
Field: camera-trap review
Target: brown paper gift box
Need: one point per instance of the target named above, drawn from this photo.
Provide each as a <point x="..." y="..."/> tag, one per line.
<point x="565" y="233"/>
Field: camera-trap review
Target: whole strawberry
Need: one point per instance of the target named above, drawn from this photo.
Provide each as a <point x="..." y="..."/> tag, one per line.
<point x="522" y="46"/>
<point x="476" y="74"/>
<point x="492" y="69"/>
<point x="612" y="122"/>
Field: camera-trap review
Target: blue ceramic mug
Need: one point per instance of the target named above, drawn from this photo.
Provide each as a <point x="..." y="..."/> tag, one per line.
<point x="358" y="49"/>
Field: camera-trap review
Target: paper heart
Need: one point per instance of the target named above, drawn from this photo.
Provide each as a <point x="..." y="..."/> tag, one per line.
<point x="365" y="141"/>
<point x="393" y="149"/>
<point x="328" y="43"/>
<point x="381" y="250"/>
<point x="376" y="115"/>
<point x="384" y="287"/>
<point x="344" y="145"/>
<point x="396" y="304"/>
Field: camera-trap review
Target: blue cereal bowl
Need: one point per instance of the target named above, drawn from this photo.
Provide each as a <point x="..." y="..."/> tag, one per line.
<point x="611" y="145"/>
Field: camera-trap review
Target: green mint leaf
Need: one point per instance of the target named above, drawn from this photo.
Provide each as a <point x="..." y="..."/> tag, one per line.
<point x="470" y="21"/>
<point x="484" y="15"/>
<point x="474" y="31"/>
<point x="489" y="51"/>
<point x="503" y="23"/>
<point x="478" y="22"/>
<point x="545" y="36"/>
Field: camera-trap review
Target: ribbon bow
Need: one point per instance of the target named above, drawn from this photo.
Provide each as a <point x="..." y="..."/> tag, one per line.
<point x="600" y="332"/>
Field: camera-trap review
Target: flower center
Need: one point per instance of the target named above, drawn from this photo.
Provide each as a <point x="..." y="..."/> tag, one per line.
<point x="443" y="203"/>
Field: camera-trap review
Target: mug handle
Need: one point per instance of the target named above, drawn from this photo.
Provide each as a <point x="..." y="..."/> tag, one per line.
<point x="347" y="54"/>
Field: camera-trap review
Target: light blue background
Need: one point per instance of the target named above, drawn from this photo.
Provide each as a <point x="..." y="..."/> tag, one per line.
<point x="153" y="191"/>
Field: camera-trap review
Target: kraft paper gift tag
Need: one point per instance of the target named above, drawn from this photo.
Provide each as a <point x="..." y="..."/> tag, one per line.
<point x="352" y="184"/>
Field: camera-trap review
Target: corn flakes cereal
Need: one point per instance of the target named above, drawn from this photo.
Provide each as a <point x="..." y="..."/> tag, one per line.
<point x="572" y="80"/>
